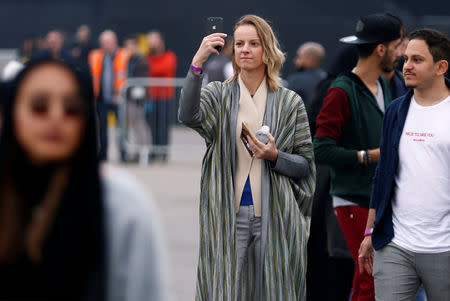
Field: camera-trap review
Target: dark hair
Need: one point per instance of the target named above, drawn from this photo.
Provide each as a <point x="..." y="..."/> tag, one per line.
<point x="366" y="50"/>
<point x="73" y="249"/>
<point x="438" y="43"/>
<point x="134" y="37"/>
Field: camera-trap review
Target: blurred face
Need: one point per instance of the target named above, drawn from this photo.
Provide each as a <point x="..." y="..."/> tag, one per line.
<point x="155" y="43"/>
<point x="302" y="60"/>
<point x="298" y="60"/>
<point x="42" y="43"/>
<point x="419" y="69"/>
<point x="391" y="56"/>
<point x="48" y="115"/>
<point x="55" y="41"/>
<point x="83" y="34"/>
<point x="131" y="46"/>
<point x="28" y="45"/>
<point x="248" y="50"/>
<point x="108" y="42"/>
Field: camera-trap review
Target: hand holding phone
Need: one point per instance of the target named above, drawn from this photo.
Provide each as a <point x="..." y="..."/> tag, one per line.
<point x="215" y="38"/>
<point x="213" y="25"/>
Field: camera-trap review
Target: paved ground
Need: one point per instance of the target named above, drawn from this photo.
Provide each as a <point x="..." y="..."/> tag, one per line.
<point x="175" y="186"/>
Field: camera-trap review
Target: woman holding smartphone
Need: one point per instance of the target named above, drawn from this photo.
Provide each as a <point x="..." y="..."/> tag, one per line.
<point x="254" y="210"/>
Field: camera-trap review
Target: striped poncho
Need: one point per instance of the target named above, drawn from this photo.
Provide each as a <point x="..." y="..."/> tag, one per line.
<point x="286" y="196"/>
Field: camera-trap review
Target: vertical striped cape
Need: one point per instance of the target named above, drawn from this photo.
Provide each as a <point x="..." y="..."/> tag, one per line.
<point x="286" y="202"/>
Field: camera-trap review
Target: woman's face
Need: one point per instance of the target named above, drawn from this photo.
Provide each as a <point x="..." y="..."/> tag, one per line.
<point x="49" y="114"/>
<point x="248" y="50"/>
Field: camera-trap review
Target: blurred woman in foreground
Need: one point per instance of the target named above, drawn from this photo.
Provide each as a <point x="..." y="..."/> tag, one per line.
<point x="67" y="232"/>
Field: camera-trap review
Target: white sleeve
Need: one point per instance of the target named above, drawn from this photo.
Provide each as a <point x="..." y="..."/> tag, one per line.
<point x="137" y="265"/>
<point x="228" y="70"/>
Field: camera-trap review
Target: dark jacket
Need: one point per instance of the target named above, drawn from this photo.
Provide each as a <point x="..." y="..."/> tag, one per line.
<point x="80" y="52"/>
<point x="337" y="141"/>
<point x="384" y="180"/>
<point x="305" y="82"/>
<point x="137" y="67"/>
<point x="397" y="85"/>
<point x="64" y="55"/>
<point x="214" y="68"/>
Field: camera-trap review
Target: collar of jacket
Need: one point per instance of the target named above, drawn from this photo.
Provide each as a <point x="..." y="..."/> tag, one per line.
<point x="358" y="80"/>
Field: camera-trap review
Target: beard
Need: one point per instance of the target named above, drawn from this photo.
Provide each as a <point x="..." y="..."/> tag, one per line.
<point x="387" y="64"/>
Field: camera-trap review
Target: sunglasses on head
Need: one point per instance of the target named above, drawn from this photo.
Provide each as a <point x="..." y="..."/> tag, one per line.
<point x="71" y="107"/>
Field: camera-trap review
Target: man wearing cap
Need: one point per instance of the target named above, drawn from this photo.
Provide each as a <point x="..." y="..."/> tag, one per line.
<point x="349" y="131"/>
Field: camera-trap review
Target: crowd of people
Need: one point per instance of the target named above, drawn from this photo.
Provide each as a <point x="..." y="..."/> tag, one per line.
<point x="348" y="182"/>
<point x="148" y="110"/>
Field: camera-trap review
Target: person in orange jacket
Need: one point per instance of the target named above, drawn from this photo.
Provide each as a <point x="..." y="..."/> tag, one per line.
<point x="109" y="72"/>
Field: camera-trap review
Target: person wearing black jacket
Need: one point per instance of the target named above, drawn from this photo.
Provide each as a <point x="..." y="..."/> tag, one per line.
<point x="136" y="130"/>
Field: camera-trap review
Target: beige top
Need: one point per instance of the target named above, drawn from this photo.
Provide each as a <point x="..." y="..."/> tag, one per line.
<point x="251" y="110"/>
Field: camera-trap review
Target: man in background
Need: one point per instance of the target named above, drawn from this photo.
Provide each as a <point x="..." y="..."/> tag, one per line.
<point x="82" y="45"/>
<point x="219" y="67"/>
<point x="109" y="72"/>
<point x="307" y="62"/>
<point x="135" y="124"/>
<point x="55" y="47"/>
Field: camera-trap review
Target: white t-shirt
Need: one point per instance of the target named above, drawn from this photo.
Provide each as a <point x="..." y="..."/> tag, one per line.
<point x="421" y="204"/>
<point x="380" y="96"/>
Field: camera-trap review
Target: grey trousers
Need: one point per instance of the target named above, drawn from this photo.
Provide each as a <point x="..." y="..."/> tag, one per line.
<point x="248" y="229"/>
<point x="398" y="274"/>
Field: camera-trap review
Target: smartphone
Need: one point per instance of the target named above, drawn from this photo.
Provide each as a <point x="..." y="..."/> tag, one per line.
<point x="214" y="24"/>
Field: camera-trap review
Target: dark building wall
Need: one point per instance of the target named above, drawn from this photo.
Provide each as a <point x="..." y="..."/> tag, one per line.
<point x="183" y="22"/>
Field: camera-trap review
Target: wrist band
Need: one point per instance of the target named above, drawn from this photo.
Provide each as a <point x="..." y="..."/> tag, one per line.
<point x="196" y="69"/>
<point x="368" y="232"/>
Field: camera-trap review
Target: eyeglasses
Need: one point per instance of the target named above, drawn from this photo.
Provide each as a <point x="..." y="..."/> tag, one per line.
<point x="72" y="108"/>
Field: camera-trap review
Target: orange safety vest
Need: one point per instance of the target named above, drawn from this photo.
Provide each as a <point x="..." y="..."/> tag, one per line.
<point x="119" y="68"/>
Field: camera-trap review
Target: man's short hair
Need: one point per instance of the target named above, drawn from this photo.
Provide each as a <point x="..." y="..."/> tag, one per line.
<point x="134" y="37"/>
<point x="438" y="43"/>
<point x="315" y="51"/>
<point x="366" y="50"/>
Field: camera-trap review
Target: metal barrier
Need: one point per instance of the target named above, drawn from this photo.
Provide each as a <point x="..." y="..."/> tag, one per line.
<point x="135" y="119"/>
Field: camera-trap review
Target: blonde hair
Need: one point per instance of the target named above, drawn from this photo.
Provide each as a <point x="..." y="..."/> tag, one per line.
<point x="273" y="57"/>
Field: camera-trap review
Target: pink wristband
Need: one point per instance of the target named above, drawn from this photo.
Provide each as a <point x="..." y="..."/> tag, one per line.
<point x="368" y="232"/>
<point x="196" y="69"/>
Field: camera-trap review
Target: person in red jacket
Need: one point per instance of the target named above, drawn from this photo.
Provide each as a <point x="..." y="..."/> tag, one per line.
<point x="162" y="63"/>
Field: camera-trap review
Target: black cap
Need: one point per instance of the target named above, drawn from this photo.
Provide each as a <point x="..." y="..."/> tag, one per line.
<point x="376" y="28"/>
